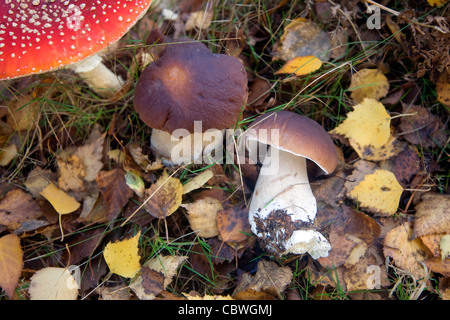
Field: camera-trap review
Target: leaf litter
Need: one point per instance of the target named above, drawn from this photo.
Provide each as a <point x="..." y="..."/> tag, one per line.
<point x="79" y="191"/>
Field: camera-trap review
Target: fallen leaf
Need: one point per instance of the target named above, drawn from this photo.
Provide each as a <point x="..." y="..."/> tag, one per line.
<point x="114" y="189"/>
<point x="166" y="266"/>
<point x="37" y="180"/>
<point x="71" y="174"/>
<point x="53" y="284"/>
<point x="60" y="200"/>
<point x="194" y="296"/>
<point x="303" y="37"/>
<point x="439" y="266"/>
<point x="11" y="263"/>
<point x="233" y="224"/>
<point x="301" y="66"/>
<point x="443" y="88"/>
<point x="432" y="215"/>
<point x="367" y="274"/>
<point x="122" y="256"/>
<point x="198" y="181"/>
<point x="269" y="278"/>
<point x="152" y="281"/>
<point x="444" y="245"/>
<point x="390" y="149"/>
<point x="202" y="216"/>
<point x="368" y="83"/>
<point x="436" y="3"/>
<point x="164" y="197"/>
<point x="406" y="253"/>
<point x="200" y="20"/>
<point x="135" y="182"/>
<point x="7" y="154"/>
<point x="379" y="192"/>
<point x="18" y="207"/>
<point x="367" y="125"/>
<point x="422" y="127"/>
<point x="22" y="113"/>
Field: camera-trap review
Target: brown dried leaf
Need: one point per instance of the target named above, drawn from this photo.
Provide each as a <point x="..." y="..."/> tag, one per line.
<point x="164" y="197"/>
<point x="202" y="216"/>
<point x="422" y="128"/>
<point x="407" y="253"/>
<point x="233" y="224"/>
<point x="11" y="263"/>
<point x="18" y="207"/>
<point x="113" y="186"/>
<point x="152" y="281"/>
<point x="270" y="278"/>
<point x="432" y="215"/>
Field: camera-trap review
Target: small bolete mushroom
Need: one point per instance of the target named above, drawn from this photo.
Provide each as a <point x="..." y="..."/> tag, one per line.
<point x="42" y="35"/>
<point x="189" y="91"/>
<point x="283" y="208"/>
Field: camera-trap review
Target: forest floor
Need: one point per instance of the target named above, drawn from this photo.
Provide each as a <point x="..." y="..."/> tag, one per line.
<point x="384" y="210"/>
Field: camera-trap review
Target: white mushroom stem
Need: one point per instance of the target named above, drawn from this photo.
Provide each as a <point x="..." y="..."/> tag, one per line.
<point x="197" y="147"/>
<point x="283" y="186"/>
<point x="98" y="76"/>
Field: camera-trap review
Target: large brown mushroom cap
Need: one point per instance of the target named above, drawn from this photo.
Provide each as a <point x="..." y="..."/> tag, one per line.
<point x="189" y="83"/>
<point x="298" y="135"/>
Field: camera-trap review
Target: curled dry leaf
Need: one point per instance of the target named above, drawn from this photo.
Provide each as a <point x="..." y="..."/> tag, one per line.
<point x="368" y="83"/>
<point x="198" y="181"/>
<point x="11" y="263"/>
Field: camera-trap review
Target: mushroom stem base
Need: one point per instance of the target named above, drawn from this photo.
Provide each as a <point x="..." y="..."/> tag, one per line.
<point x="283" y="207"/>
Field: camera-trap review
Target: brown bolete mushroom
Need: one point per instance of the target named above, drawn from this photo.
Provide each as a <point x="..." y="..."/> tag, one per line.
<point x="189" y="91"/>
<point x="283" y="208"/>
<point x="43" y="35"/>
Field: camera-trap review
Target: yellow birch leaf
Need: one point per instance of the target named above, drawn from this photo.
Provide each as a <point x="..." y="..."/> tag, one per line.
<point x="368" y="125"/>
<point x="61" y="201"/>
<point x="368" y="83"/>
<point x="444" y="245"/>
<point x="379" y="191"/>
<point x="122" y="257"/>
<point x="11" y="263"/>
<point x="301" y="65"/>
<point x="164" y="197"/>
<point x="436" y="3"/>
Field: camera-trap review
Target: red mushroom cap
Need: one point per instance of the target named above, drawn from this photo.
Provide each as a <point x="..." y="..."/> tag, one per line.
<point x="41" y="35"/>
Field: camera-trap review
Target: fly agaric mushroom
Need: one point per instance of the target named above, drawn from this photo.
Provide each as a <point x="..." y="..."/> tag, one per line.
<point x="283" y="208"/>
<point x="42" y="35"/>
<point x="189" y="84"/>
